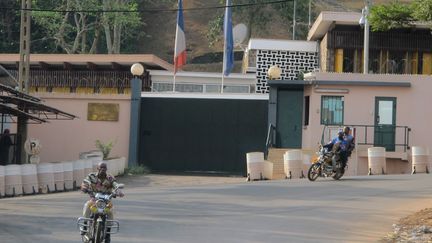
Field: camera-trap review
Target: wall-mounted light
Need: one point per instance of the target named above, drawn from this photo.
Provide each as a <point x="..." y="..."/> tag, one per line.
<point x="339" y="91"/>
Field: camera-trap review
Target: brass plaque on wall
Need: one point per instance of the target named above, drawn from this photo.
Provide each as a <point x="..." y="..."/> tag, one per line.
<point x="103" y="112"/>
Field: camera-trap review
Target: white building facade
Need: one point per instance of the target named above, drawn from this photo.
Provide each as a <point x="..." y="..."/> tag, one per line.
<point x="293" y="57"/>
<point x="202" y="82"/>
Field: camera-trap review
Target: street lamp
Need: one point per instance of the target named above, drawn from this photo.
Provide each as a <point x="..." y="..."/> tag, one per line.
<point x="137" y="69"/>
<point x="136" y="87"/>
<point x="365" y="22"/>
<point x="274" y="72"/>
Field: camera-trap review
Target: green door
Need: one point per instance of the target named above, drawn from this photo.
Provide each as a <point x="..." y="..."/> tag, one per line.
<point x="385" y="122"/>
<point x="289" y="118"/>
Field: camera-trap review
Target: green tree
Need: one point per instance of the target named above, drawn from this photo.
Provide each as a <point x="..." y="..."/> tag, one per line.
<point x="397" y="14"/>
<point x="9" y="23"/>
<point x="390" y="16"/>
<point x="83" y="32"/>
<point x="422" y="10"/>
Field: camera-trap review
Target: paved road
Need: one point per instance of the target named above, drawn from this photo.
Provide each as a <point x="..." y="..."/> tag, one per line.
<point x="356" y="209"/>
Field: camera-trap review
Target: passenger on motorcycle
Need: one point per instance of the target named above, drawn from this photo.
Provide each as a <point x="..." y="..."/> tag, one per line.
<point x="349" y="140"/>
<point x="339" y="146"/>
<point x="99" y="182"/>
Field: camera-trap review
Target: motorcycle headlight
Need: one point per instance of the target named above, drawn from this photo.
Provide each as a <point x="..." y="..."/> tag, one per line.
<point x="100" y="204"/>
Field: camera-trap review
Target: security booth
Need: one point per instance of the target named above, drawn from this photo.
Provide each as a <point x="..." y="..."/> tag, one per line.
<point x="285" y="114"/>
<point x="15" y="104"/>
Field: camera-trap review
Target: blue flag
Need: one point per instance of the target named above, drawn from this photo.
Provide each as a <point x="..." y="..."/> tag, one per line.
<point x="229" y="42"/>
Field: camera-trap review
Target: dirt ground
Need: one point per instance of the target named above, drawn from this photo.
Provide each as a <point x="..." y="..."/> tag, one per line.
<point x="416" y="228"/>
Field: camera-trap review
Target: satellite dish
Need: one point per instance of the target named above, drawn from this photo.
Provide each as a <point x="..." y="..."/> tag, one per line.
<point x="240" y="32"/>
<point x="32" y="147"/>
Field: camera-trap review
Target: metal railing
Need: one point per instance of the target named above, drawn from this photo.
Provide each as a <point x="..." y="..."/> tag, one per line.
<point x="270" y="140"/>
<point x="365" y="135"/>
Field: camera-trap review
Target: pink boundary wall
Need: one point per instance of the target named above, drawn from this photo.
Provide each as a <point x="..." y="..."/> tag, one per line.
<point x="63" y="140"/>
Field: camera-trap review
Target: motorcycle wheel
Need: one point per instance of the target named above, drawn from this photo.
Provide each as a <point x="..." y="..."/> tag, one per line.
<point x="99" y="236"/>
<point x="339" y="173"/>
<point x="314" y="172"/>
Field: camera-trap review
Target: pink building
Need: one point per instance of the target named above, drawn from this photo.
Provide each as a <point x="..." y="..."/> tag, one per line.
<point x="386" y="108"/>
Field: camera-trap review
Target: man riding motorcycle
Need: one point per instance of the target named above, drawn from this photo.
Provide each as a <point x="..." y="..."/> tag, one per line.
<point x="339" y="145"/>
<point x="99" y="182"/>
<point x="349" y="139"/>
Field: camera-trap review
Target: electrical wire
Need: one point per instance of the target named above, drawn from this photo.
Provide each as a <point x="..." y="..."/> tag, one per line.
<point x="145" y="10"/>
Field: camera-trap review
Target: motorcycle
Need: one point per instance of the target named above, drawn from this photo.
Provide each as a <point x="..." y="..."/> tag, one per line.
<point x="98" y="226"/>
<point x="323" y="165"/>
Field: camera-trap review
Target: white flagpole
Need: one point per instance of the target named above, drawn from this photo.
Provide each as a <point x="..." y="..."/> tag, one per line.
<point x="174" y="81"/>
<point x="223" y="75"/>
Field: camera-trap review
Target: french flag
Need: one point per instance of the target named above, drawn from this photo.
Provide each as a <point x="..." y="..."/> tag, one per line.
<point x="180" y="41"/>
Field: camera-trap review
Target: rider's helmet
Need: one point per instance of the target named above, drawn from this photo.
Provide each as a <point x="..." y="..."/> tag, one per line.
<point x="340" y="133"/>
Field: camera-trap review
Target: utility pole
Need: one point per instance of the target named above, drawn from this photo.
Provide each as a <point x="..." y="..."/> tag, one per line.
<point x="294" y="19"/>
<point x="24" y="74"/>
<point x="365" y="15"/>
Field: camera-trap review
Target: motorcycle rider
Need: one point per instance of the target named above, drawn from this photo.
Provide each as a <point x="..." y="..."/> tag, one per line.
<point x="99" y="182"/>
<point x="339" y="147"/>
<point x="349" y="140"/>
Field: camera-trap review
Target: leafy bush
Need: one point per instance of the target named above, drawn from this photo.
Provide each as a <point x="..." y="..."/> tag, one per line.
<point x="105" y="148"/>
<point x="137" y="170"/>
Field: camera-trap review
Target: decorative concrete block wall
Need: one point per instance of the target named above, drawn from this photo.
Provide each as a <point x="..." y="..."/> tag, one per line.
<point x="291" y="62"/>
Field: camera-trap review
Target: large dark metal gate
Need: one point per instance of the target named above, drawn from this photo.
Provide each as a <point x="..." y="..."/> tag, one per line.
<point x="200" y="134"/>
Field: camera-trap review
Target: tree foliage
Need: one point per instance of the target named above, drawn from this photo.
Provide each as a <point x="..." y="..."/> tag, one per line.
<point x="259" y="17"/>
<point x="9" y="24"/>
<point x="82" y="32"/>
<point x="389" y="16"/>
<point x="396" y="15"/>
<point x="422" y="10"/>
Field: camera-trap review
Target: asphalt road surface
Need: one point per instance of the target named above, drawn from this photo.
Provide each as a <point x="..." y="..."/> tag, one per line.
<point x="355" y="209"/>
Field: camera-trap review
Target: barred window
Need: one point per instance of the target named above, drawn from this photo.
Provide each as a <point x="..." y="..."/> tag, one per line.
<point x="332" y="108"/>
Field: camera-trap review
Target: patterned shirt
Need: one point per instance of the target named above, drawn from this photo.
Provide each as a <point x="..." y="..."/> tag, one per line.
<point x="96" y="184"/>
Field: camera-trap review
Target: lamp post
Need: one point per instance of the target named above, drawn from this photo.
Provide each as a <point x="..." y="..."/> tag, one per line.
<point x="274" y="73"/>
<point x="364" y="21"/>
<point x="136" y="87"/>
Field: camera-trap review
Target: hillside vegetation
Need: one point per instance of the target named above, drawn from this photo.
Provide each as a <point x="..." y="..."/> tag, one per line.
<point x="161" y="32"/>
<point x="154" y="32"/>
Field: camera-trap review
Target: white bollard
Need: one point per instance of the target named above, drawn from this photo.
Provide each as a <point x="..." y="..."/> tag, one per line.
<point x="58" y="176"/>
<point x="377" y="160"/>
<point x="293" y="163"/>
<point x="68" y="175"/>
<point x="78" y="172"/>
<point x="45" y="173"/>
<point x="255" y="166"/>
<point x="13" y="180"/>
<point x="420" y="159"/>
<point x="29" y="178"/>
<point x="2" y="181"/>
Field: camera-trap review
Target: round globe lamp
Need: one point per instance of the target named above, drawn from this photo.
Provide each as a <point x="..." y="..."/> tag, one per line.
<point x="137" y="69"/>
<point x="274" y="72"/>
